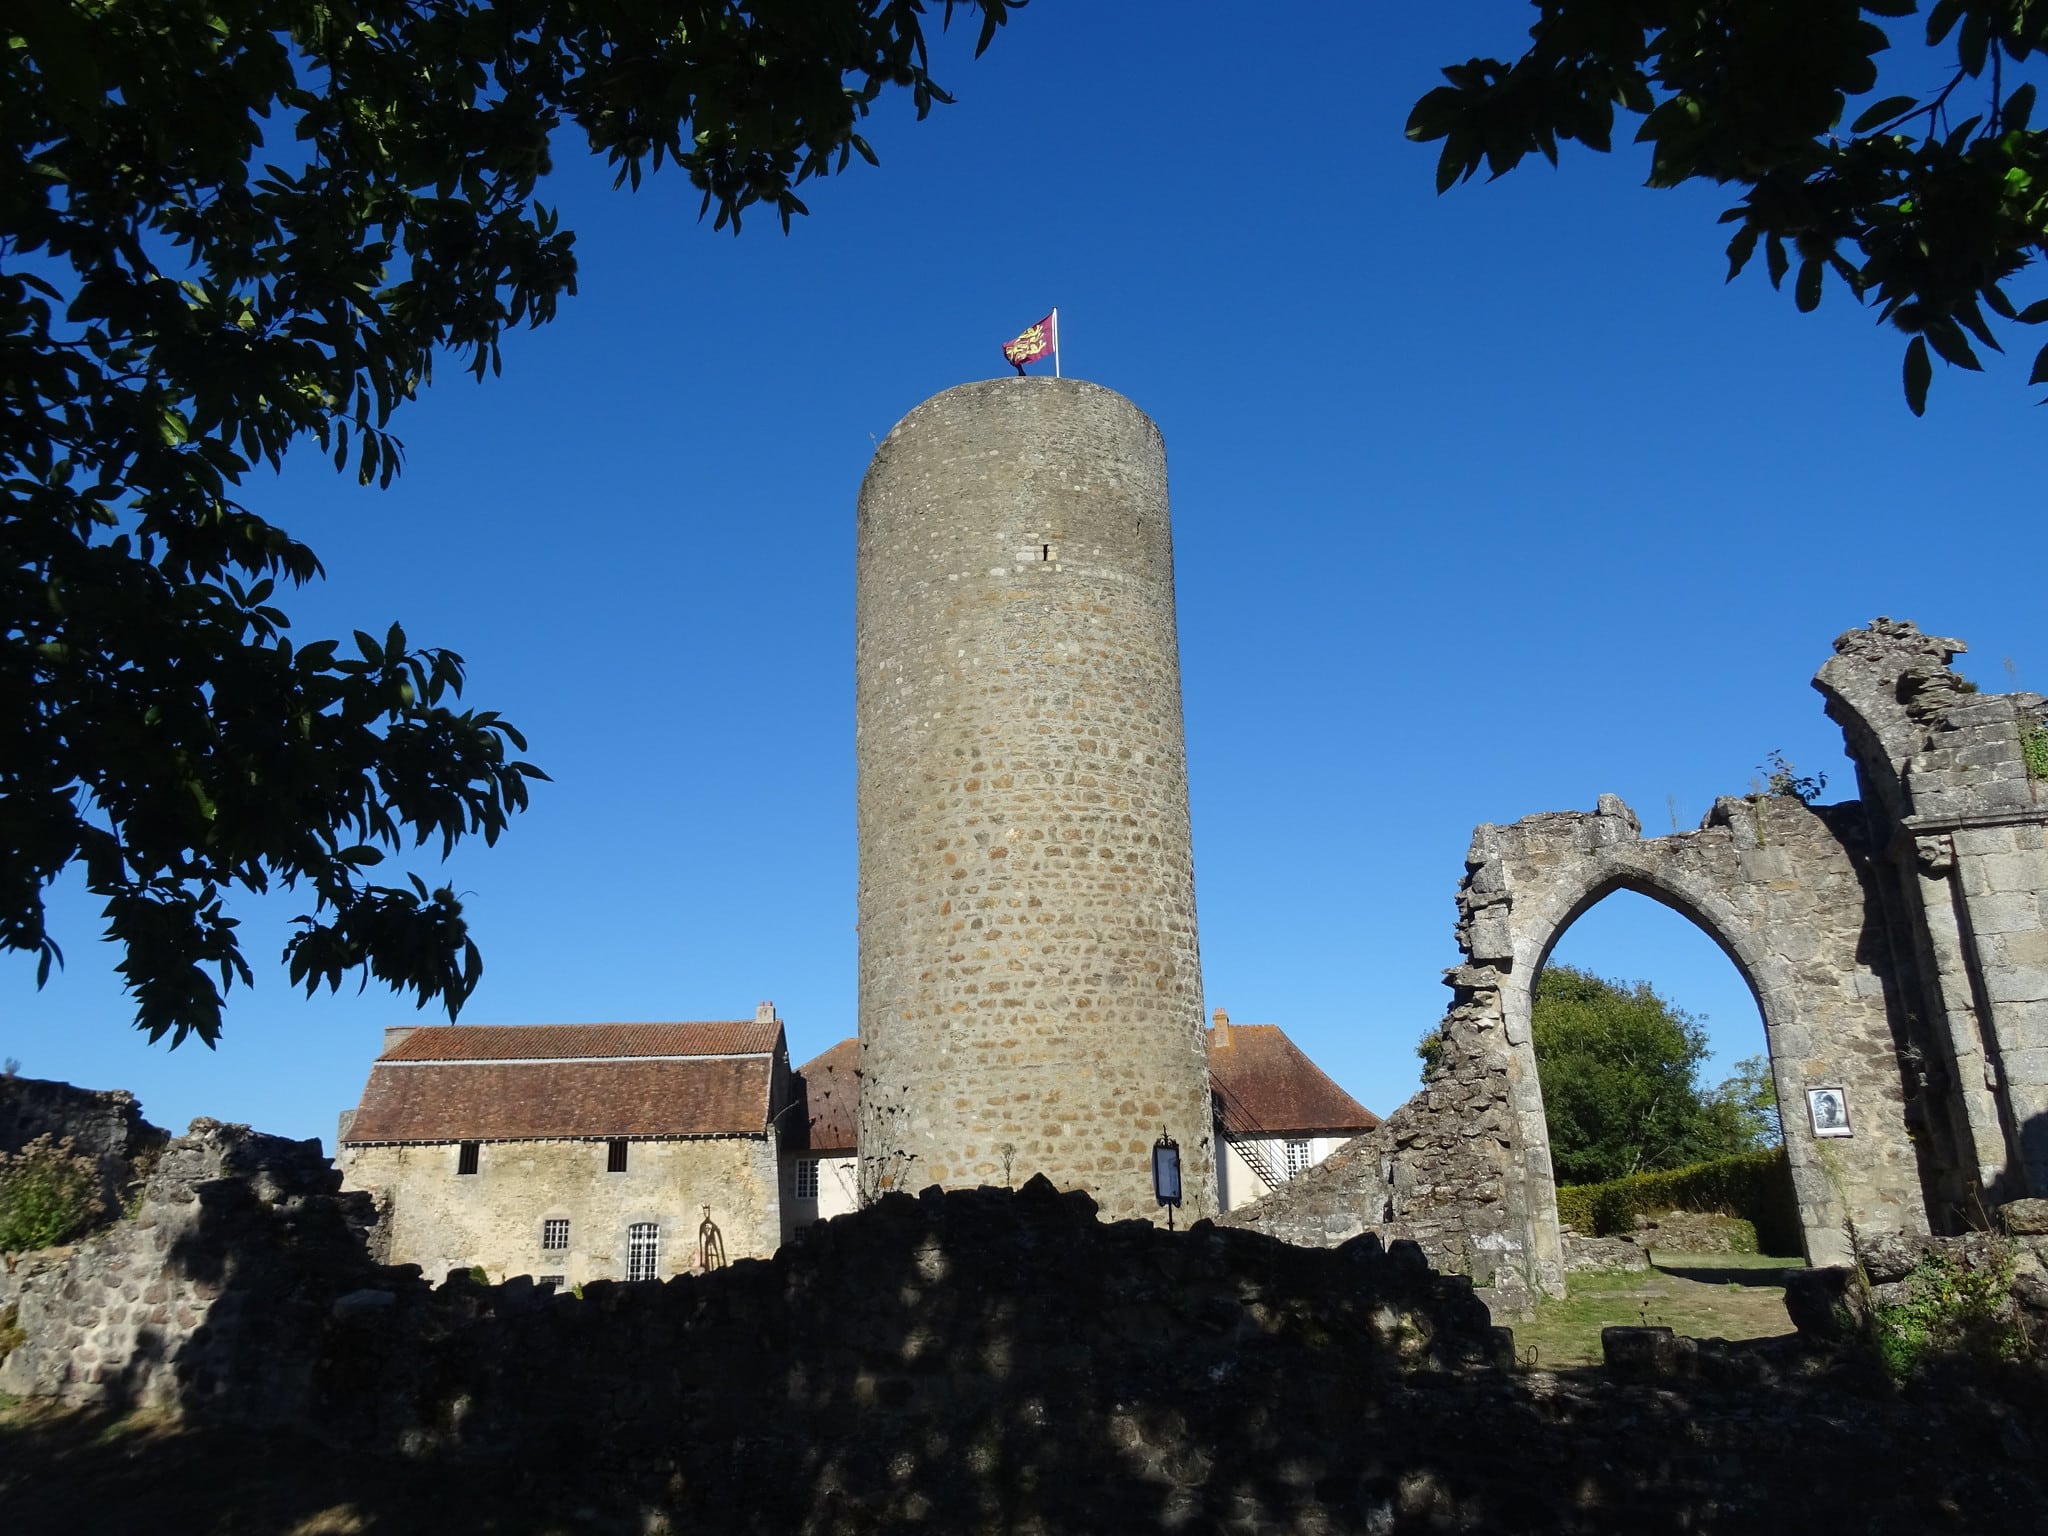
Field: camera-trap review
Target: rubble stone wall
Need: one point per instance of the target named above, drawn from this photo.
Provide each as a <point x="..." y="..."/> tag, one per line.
<point x="1030" y="979"/>
<point x="440" y="1219"/>
<point x="105" y="1125"/>
<point x="213" y="1290"/>
<point x="1943" y="768"/>
<point x="987" y="1360"/>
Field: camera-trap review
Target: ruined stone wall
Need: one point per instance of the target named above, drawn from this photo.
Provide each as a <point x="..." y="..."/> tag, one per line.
<point x="213" y="1292"/>
<point x="442" y="1220"/>
<point x="1896" y="946"/>
<point x="1786" y="889"/>
<point x="1964" y="829"/>
<point x="984" y="1360"/>
<point x="1030" y="982"/>
<point x="1442" y="1171"/>
<point x="106" y="1126"/>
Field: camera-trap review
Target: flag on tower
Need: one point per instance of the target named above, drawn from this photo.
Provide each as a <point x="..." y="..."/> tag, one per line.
<point x="1040" y="340"/>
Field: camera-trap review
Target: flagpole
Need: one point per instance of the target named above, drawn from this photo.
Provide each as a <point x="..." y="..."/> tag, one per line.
<point x="1055" y="341"/>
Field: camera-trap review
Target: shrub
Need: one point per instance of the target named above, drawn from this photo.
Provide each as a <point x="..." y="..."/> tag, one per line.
<point x="2034" y="750"/>
<point x="1756" y="1186"/>
<point x="1947" y="1309"/>
<point x="48" y="1194"/>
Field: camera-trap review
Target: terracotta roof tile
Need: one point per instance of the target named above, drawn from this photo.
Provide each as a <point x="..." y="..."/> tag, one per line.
<point x="503" y="1101"/>
<point x="569" y="1042"/>
<point x="1268" y="1086"/>
<point x="829" y="1087"/>
<point x="1261" y="1075"/>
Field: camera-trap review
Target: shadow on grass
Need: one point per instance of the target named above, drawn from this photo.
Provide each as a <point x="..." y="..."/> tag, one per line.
<point x="1706" y="1274"/>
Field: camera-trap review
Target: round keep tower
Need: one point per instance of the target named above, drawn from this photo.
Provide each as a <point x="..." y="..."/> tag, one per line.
<point x="1030" y="984"/>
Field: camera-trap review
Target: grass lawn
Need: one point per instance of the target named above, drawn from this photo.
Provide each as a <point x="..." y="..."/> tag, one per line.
<point x="1705" y="1295"/>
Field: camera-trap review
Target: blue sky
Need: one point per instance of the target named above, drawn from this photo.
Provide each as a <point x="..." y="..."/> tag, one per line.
<point x="1484" y="505"/>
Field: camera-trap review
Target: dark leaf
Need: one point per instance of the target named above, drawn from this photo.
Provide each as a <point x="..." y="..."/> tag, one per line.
<point x="1920" y="373"/>
<point x="1806" y="292"/>
<point x="1883" y="112"/>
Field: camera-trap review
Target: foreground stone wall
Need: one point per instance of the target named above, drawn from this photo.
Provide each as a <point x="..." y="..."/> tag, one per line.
<point x="441" y="1220"/>
<point x="985" y="1361"/>
<point x="212" y="1292"/>
<point x="104" y="1125"/>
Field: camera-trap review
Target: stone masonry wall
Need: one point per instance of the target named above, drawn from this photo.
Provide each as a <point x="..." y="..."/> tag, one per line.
<point x="1964" y="830"/>
<point x="1897" y="947"/>
<point x="442" y="1220"/>
<point x="106" y="1126"/>
<point x="1030" y="981"/>
<point x="975" y="1361"/>
<point x="210" y="1293"/>
<point x="1440" y="1171"/>
<point x="1784" y="888"/>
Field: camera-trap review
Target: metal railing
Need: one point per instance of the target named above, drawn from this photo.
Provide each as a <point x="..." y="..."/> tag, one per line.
<point x="1250" y="1138"/>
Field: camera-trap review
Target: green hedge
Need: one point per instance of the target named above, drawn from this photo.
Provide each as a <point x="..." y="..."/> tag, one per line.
<point x="1756" y="1186"/>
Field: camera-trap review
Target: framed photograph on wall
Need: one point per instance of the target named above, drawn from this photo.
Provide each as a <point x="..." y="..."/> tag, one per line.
<point x="1827" y="1109"/>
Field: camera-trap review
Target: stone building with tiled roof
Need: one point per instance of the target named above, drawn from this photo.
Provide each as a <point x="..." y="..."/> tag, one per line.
<point x="821" y="1176"/>
<point x="576" y="1152"/>
<point x="1277" y="1113"/>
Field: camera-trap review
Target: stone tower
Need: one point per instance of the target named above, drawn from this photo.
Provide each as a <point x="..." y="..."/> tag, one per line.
<point x="1030" y="985"/>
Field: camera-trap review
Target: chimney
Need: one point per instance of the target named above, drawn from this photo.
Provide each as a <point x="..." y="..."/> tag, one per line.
<point x="1222" y="1022"/>
<point x="764" y="1013"/>
<point x="395" y="1036"/>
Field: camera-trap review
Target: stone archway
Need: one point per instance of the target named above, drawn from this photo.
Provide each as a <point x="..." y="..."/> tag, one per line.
<point x="1560" y="870"/>
<point x="1464" y="1168"/>
<point x="1894" y="945"/>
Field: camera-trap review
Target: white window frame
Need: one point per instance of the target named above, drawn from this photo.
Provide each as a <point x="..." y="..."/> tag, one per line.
<point x="548" y="1233"/>
<point x="1299" y="1155"/>
<point x="806" y="1185"/>
<point x="643" y="1250"/>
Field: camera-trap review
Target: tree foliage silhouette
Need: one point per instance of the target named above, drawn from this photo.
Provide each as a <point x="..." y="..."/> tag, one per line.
<point x="1927" y="205"/>
<point x="231" y="226"/>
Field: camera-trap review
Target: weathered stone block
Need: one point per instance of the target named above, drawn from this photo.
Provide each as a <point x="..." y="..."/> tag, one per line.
<point x="1654" y="1353"/>
<point x="2024" y="1218"/>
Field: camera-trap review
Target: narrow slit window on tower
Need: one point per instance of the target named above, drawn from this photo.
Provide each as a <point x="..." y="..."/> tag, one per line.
<point x="466" y="1157"/>
<point x="1045" y="551"/>
<point x="615" y="1155"/>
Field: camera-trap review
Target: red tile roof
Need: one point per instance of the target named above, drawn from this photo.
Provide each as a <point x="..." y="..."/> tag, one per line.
<point x="500" y="1101"/>
<point x="585" y="1042"/>
<point x="1267" y="1086"/>
<point x="829" y="1088"/>
<point x="515" y="1082"/>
